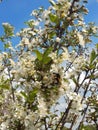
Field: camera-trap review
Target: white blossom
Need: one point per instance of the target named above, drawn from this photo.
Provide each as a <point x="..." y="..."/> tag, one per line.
<point x="81" y="39"/>
<point x="58" y="39"/>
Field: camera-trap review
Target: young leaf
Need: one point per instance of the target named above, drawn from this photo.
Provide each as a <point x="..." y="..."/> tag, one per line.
<point x="32" y="95"/>
<point x="8" y="29"/>
<point x="93" y="56"/>
<point x="53" y="18"/>
<point x="39" y="55"/>
<point x="4" y="86"/>
<point x="23" y="94"/>
<point x="7" y="45"/>
<point x="46" y="60"/>
<point x="47" y="51"/>
<point x="88" y="127"/>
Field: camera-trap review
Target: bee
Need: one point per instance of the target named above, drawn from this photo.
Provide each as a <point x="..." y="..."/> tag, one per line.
<point x="56" y="78"/>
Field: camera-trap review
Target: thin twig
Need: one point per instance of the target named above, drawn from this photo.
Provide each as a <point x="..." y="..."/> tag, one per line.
<point x="82" y="118"/>
<point x="45" y="124"/>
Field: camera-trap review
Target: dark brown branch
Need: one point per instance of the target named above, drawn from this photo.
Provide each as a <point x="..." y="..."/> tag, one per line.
<point x="72" y="124"/>
<point x="45" y="123"/>
<point x="82" y="118"/>
<point x="87" y="87"/>
<point x="63" y="119"/>
<point x="71" y="7"/>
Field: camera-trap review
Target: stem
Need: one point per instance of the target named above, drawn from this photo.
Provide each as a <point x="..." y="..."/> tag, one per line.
<point x="71" y="7"/>
<point x="61" y="30"/>
<point x="82" y="118"/>
<point x="83" y="80"/>
<point x="68" y="67"/>
<point x="63" y="119"/>
<point x="77" y="90"/>
<point x="87" y="87"/>
<point x="45" y="124"/>
<point x="72" y="124"/>
<point x="65" y="115"/>
<point x="95" y="121"/>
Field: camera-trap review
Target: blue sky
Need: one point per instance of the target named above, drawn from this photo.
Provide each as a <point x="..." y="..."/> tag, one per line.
<point x="17" y="12"/>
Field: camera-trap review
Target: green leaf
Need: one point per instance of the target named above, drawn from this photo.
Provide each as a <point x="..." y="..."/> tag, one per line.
<point x="91" y="66"/>
<point x="32" y="95"/>
<point x="46" y="60"/>
<point x="4" y="86"/>
<point x="97" y="46"/>
<point x="88" y="127"/>
<point x="65" y="128"/>
<point x="47" y="51"/>
<point x="92" y="76"/>
<point x="8" y="30"/>
<point x="23" y="94"/>
<point x="30" y="23"/>
<point x="7" y="45"/>
<point x="53" y="18"/>
<point x="52" y="34"/>
<point x="39" y="55"/>
<point x="2" y="39"/>
<point x="92" y="56"/>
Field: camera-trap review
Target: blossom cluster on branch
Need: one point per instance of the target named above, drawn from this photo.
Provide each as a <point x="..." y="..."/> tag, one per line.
<point x="50" y="65"/>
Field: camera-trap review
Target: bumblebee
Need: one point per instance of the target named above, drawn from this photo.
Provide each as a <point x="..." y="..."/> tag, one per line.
<point x="56" y="78"/>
